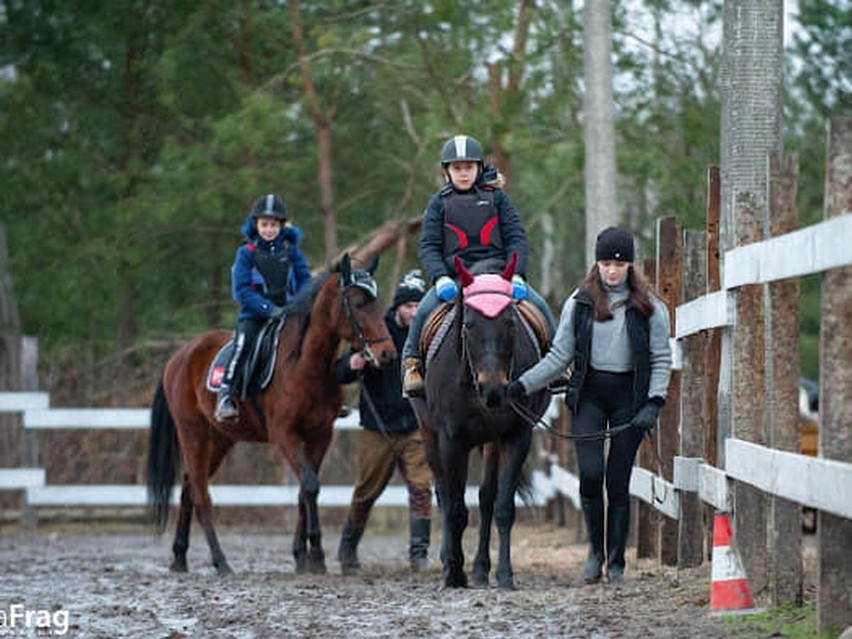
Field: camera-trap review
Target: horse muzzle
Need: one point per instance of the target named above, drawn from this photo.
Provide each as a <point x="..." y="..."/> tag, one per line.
<point x="491" y="389"/>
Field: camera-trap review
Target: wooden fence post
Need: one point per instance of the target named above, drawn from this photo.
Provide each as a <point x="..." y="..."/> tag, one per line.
<point x="748" y="397"/>
<point x="782" y="358"/>
<point x="713" y="349"/>
<point x="647" y="517"/>
<point x="835" y="388"/>
<point x="669" y="260"/>
<point x="690" y="525"/>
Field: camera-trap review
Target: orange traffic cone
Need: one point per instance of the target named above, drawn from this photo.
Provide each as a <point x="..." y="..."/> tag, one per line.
<point x="729" y="589"/>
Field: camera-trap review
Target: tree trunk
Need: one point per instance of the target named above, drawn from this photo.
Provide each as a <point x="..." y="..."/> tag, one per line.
<point x="323" y="131"/>
<point x="599" y="116"/>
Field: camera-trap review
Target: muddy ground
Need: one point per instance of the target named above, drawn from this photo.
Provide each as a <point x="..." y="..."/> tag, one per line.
<point x="95" y="583"/>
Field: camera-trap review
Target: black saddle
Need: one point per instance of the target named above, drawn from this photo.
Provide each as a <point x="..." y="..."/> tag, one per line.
<point x="258" y="367"/>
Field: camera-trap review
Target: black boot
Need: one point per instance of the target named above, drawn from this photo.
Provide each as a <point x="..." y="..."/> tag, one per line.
<point x="418" y="551"/>
<point x="593" y="511"/>
<point x="347" y="554"/>
<point x="618" y="524"/>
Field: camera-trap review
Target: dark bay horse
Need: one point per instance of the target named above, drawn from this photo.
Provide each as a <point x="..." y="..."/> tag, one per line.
<point x="486" y="345"/>
<point x="295" y="412"/>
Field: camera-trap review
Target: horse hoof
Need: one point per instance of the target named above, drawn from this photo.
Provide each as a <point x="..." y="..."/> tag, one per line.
<point x="179" y="566"/>
<point x="480" y="580"/>
<point x="318" y="568"/>
<point x="506" y="584"/>
<point x="224" y="569"/>
<point x="456" y="581"/>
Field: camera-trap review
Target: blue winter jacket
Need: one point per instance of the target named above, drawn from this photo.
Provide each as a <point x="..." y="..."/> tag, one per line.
<point x="247" y="284"/>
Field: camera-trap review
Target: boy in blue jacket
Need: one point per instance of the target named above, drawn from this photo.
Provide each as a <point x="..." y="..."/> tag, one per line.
<point x="269" y="269"/>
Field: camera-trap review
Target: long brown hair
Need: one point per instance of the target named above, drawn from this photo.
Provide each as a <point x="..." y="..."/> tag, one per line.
<point x="640" y="296"/>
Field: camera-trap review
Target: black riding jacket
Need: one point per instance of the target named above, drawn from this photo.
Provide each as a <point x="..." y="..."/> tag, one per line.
<point x="384" y="387"/>
<point x="476" y="225"/>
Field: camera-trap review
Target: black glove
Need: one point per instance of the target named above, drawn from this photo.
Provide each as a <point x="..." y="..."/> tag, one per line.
<point x="515" y="391"/>
<point x="646" y="418"/>
<point x="277" y="312"/>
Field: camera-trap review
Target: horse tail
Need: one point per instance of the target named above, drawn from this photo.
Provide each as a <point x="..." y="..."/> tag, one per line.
<point x="525" y="488"/>
<point x="163" y="456"/>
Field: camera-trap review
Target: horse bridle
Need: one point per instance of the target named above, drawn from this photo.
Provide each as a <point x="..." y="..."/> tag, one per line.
<point x="466" y="351"/>
<point x="346" y="307"/>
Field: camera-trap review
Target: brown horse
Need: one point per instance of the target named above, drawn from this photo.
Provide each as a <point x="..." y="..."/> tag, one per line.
<point x="295" y="412"/>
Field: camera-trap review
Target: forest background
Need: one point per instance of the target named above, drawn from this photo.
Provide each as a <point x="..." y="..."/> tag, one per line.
<point x="136" y="134"/>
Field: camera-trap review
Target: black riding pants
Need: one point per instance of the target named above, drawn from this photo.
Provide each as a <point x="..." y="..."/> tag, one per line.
<point x="606" y="402"/>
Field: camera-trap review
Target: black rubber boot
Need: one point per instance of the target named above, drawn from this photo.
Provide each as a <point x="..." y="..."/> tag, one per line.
<point x="593" y="511"/>
<point x="347" y="554"/>
<point x="418" y="550"/>
<point x="618" y="524"/>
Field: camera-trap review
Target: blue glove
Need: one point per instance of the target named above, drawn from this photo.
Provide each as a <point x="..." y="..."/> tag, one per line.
<point x="515" y="391"/>
<point x="446" y="288"/>
<point x="519" y="288"/>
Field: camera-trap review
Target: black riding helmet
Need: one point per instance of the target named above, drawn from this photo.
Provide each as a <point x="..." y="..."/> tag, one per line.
<point x="461" y="148"/>
<point x="269" y="205"/>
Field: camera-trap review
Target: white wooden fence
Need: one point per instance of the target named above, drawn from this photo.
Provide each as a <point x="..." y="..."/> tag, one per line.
<point x="818" y="483"/>
<point x="37" y="416"/>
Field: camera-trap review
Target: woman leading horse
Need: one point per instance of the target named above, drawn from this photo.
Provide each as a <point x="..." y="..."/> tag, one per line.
<point x="295" y="412"/>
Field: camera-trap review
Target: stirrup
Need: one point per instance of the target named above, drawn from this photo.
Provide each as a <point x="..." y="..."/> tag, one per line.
<point x="226" y="409"/>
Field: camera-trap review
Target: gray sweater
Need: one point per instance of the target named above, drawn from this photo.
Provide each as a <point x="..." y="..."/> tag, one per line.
<point x="610" y="345"/>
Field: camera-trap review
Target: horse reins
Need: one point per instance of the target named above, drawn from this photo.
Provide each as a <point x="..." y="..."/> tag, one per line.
<point x="346" y="308"/>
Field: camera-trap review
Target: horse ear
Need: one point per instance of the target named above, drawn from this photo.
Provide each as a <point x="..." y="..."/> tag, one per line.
<point x="345" y="268"/>
<point x="509" y="271"/>
<point x="464" y="275"/>
<point x="373" y="265"/>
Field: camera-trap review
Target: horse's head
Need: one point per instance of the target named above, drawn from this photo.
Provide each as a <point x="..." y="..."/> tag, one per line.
<point x="489" y="329"/>
<point x="362" y="321"/>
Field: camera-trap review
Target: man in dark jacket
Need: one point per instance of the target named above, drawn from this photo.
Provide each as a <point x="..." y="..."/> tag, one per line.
<point x="391" y="438"/>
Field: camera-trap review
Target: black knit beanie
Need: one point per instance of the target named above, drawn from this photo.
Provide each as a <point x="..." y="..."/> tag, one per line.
<point x="614" y="244"/>
<point x="411" y="288"/>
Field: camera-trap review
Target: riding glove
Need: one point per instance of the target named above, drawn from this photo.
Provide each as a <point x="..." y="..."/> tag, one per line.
<point x="646" y="418"/>
<point x="277" y="312"/>
<point x="515" y="391"/>
<point x="446" y="288"/>
<point x="519" y="288"/>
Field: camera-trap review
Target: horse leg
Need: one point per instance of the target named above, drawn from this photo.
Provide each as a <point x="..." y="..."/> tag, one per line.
<point x="487" y="494"/>
<point x="180" y="546"/>
<point x="308" y="527"/>
<point x="504" y="516"/>
<point x="207" y="455"/>
<point x="454" y="460"/>
<point x="300" y="538"/>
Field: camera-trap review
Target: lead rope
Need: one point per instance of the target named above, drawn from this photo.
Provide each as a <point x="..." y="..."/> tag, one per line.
<point x="379" y="421"/>
<point x="529" y="416"/>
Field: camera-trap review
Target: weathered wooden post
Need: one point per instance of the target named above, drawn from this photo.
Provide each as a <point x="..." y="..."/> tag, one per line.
<point x="669" y="259"/>
<point x="782" y="358"/>
<point x="713" y="349"/>
<point x="690" y="551"/>
<point x="834" y="533"/>
<point x="748" y="397"/>
<point x="647" y="517"/>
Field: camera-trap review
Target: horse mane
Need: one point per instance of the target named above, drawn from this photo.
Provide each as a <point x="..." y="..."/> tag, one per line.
<point x="299" y="309"/>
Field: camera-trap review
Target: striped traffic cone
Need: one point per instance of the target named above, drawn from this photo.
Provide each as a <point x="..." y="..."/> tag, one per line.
<point x="729" y="589"/>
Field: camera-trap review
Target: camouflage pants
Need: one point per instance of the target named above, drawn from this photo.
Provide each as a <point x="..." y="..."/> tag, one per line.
<point x="377" y="459"/>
